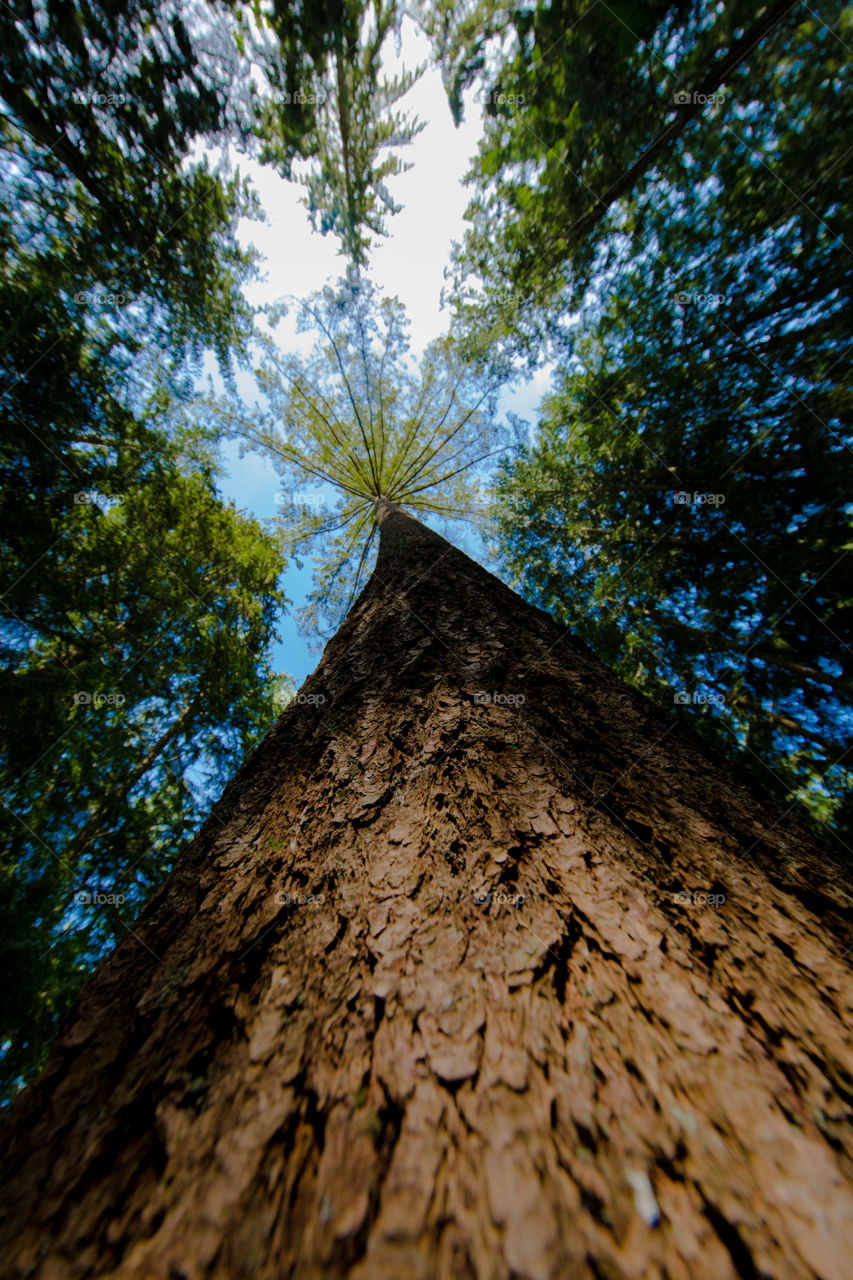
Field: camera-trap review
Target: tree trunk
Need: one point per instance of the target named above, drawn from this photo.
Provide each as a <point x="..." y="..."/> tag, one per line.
<point x="426" y="996"/>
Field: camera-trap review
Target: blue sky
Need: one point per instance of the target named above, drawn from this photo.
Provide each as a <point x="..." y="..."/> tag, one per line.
<point x="408" y="263"/>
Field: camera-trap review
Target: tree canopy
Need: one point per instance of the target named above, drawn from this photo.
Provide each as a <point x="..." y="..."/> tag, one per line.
<point x="686" y="503"/>
<point x="358" y="420"/>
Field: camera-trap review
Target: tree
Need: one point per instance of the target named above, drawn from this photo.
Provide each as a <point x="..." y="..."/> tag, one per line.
<point x="356" y="420"/>
<point x="706" y="573"/>
<point x="135" y="676"/>
<point x="104" y="110"/>
<point x="567" y="166"/>
<point x="482" y="966"/>
<point x="102" y="107"/>
<point x="359" y="135"/>
<point x="686" y="505"/>
<point x="132" y="688"/>
<point x="356" y="133"/>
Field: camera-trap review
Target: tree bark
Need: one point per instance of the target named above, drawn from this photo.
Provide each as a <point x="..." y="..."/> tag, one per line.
<point x="420" y="1075"/>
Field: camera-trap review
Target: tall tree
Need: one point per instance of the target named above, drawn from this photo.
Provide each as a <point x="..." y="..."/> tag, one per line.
<point x="482" y="966"/>
<point x="358" y="419"/>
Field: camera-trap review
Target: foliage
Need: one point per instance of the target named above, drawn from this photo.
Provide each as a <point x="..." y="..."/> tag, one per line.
<point x="102" y="108"/>
<point x="135" y="676"/>
<point x="357" y="131"/>
<point x="711" y="357"/>
<point x="589" y="106"/>
<point x="356" y="421"/>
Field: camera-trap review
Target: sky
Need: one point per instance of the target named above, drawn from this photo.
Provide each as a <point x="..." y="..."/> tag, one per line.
<point x="409" y="264"/>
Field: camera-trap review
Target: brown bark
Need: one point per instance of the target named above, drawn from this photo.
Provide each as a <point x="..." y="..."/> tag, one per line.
<point x="404" y="1081"/>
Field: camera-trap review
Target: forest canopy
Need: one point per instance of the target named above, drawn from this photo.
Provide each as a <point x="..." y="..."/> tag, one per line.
<point x="682" y="256"/>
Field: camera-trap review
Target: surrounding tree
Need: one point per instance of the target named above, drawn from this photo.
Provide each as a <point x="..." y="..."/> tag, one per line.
<point x="103" y="112"/>
<point x="102" y="107"/>
<point x="482" y="967"/>
<point x="356" y="134"/>
<point x="686" y="507"/>
<point x="135" y="639"/>
<point x="591" y="109"/>
<point x="359" y="133"/>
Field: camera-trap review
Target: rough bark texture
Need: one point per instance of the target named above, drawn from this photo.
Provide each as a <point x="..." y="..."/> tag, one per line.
<point x="404" y="1081"/>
